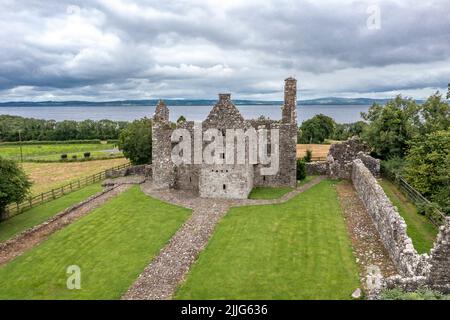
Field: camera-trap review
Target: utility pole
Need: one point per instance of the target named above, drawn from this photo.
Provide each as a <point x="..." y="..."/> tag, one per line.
<point x="20" y="146"/>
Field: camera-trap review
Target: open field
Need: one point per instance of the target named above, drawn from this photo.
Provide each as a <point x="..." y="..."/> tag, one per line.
<point x="112" y="246"/>
<point x="296" y="250"/>
<point x="319" y="151"/>
<point x="52" y="152"/>
<point x="422" y="232"/>
<point x="46" y="176"/>
<point x="37" y="215"/>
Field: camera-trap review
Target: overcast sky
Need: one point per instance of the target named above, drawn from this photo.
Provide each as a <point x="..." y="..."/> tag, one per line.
<point x="117" y="49"/>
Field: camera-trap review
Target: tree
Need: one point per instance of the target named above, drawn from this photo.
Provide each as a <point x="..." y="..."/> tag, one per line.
<point x="434" y="114"/>
<point x="14" y="183"/>
<point x="427" y="167"/>
<point x="181" y="119"/>
<point x="448" y="91"/>
<point x="390" y="127"/>
<point x="347" y="130"/>
<point x="316" y="129"/>
<point x="136" y="141"/>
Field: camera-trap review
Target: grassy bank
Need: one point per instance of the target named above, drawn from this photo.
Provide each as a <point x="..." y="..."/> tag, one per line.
<point x="296" y="250"/>
<point x="421" y="231"/>
<point x="111" y="246"/>
<point x="37" y="215"/>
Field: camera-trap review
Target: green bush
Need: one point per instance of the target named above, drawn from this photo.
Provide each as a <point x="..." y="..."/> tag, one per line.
<point x="64" y="156"/>
<point x="301" y="169"/>
<point x="427" y="167"/>
<point x="308" y="156"/>
<point x="14" y="183"/>
<point x="87" y="154"/>
<point x="392" y="168"/>
<point x="136" y="141"/>
<point x="74" y="156"/>
<point x="420" y="294"/>
<point x="316" y="129"/>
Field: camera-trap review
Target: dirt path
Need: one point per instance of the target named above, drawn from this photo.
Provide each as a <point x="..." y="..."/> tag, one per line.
<point x="366" y="242"/>
<point x="163" y="275"/>
<point x="34" y="236"/>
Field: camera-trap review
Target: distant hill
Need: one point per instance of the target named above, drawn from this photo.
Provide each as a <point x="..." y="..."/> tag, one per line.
<point x="189" y="102"/>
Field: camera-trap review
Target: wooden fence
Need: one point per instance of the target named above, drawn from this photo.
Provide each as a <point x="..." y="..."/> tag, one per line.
<point x="19" y="207"/>
<point x="432" y="213"/>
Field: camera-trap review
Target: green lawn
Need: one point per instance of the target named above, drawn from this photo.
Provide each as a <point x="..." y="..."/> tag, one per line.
<point x="112" y="246"/>
<point x="37" y="215"/>
<point x="268" y="192"/>
<point x="421" y="231"/>
<point x="275" y="193"/>
<point x="296" y="250"/>
<point x="54" y="151"/>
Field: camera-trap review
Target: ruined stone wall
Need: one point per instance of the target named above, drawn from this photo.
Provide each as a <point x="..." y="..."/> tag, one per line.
<point x="142" y="170"/>
<point x="390" y="225"/>
<point x="415" y="271"/>
<point x="226" y="181"/>
<point x="371" y="163"/>
<point x="317" y="168"/>
<point x="439" y="276"/>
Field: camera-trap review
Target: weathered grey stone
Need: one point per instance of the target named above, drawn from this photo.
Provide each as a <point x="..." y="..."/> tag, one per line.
<point x="415" y="270"/>
<point x="238" y="179"/>
<point x="317" y="168"/>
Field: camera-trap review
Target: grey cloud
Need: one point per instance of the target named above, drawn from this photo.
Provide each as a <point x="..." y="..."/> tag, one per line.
<point x="98" y="50"/>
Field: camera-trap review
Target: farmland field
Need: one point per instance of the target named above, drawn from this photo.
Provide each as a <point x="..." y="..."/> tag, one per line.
<point x="319" y="151"/>
<point x="52" y="152"/>
<point x="46" y="176"/>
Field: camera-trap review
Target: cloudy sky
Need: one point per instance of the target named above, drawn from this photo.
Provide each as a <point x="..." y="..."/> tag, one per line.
<point x="117" y="49"/>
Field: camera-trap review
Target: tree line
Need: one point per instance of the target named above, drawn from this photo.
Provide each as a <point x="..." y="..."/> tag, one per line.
<point x="51" y="130"/>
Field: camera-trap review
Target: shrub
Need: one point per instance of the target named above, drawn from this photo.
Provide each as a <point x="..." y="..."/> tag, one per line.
<point x="308" y="156"/>
<point x="87" y="154"/>
<point x="64" y="156"/>
<point x="392" y="168"/>
<point x="14" y="183"/>
<point x="427" y="167"/>
<point x="74" y="156"/>
<point x="301" y="169"/>
<point x="136" y="141"/>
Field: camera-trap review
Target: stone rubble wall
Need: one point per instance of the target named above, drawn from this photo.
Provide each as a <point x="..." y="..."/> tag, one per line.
<point x="390" y="225"/>
<point x="439" y="276"/>
<point x="415" y="270"/>
<point x="317" y="168"/>
<point x="339" y="163"/>
<point x="141" y="170"/>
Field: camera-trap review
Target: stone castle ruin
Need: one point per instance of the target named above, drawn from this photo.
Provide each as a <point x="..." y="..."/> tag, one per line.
<point x="223" y="180"/>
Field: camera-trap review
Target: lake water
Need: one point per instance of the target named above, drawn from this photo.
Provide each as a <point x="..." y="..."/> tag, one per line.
<point x="340" y="113"/>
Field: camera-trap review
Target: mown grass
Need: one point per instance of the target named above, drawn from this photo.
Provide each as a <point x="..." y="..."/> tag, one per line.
<point x="39" y="214"/>
<point x="46" y="176"/>
<point x="275" y="192"/>
<point x="421" y="231"/>
<point x="53" y="151"/>
<point x="112" y="246"/>
<point x="296" y="250"/>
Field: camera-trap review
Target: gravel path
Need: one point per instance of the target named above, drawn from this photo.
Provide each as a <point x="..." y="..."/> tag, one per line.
<point x="366" y="242"/>
<point x="34" y="236"/>
<point x="162" y="276"/>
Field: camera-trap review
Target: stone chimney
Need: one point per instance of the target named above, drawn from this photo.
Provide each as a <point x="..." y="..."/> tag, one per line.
<point x="161" y="112"/>
<point x="289" y="114"/>
<point x="224" y="97"/>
